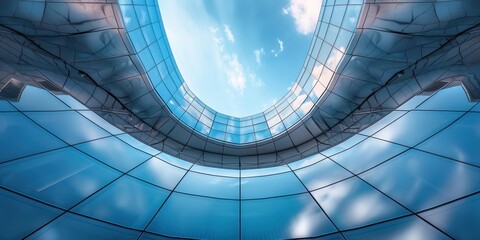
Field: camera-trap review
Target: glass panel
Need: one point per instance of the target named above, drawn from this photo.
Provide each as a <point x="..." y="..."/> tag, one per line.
<point x="197" y="217"/>
<point x="459" y="141"/>
<point x="344" y="145"/>
<point x="62" y="177"/>
<point x="127" y="202"/>
<point x="322" y="174"/>
<point x="137" y="144"/>
<point x="459" y="219"/>
<point x="285" y="217"/>
<point x="216" y="171"/>
<point x="367" y="154"/>
<point x="423" y="124"/>
<point x="306" y="161"/>
<point x="100" y="122"/>
<point x="270" y="186"/>
<point x="419" y="180"/>
<point x="383" y="122"/>
<point x="413" y="102"/>
<point x="71" y="102"/>
<point x="159" y="173"/>
<point x="69" y="126"/>
<point x="450" y="98"/>
<point x="175" y="161"/>
<point x="115" y="153"/>
<point x="74" y="227"/>
<point x="5" y="106"/>
<point x="18" y="132"/>
<point x="404" y="228"/>
<point x="149" y="236"/>
<point x="21" y="216"/>
<point x="264" y="171"/>
<point x="208" y="185"/>
<point x="37" y="99"/>
<point x="353" y="203"/>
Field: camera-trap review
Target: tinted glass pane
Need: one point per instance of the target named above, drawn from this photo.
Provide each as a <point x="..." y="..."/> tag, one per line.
<point x="353" y="203"/>
<point x="175" y="161"/>
<point x="69" y="126"/>
<point x="321" y="174"/>
<point x="344" y="145"/>
<point x="62" y="177"/>
<point x="383" y="122"/>
<point x="264" y="171"/>
<point x="459" y="141"/>
<point x="404" y="228"/>
<point x="114" y="152"/>
<point x="306" y="161"/>
<point x="284" y="217"/>
<point x="127" y="202"/>
<point x="216" y="171"/>
<point x="419" y="180"/>
<point x="5" y="106"/>
<point x="367" y="154"/>
<point x="100" y="122"/>
<point x="70" y="226"/>
<point x="451" y="98"/>
<point x="137" y="144"/>
<point x="21" y="216"/>
<point x="37" y="99"/>
<point x="270" y="186"/>
<point x="459" y="219"/>
<point x="208" y="185"/>
<point x="423" y="124"/>
<point x="20" y="137"/>
<point x="185" y="216"/>
<point x="159" y="173"/>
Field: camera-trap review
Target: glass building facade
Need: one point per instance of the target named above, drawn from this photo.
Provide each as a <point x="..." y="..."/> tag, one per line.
<point x="101" y="139"/>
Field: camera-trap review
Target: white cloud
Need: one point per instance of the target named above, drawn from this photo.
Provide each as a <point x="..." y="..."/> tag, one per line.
<point x="228" y="33"/>
<point x="280" y="48"/>
<point x="258" y="55"/>
<point x="305" y="14"/>
<point x="235" y="74"/>
<point x="255" y="80"/>
<point x="218" y="40"/>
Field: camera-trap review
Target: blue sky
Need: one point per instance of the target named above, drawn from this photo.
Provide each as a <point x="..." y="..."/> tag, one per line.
<point x="240" y="57"/>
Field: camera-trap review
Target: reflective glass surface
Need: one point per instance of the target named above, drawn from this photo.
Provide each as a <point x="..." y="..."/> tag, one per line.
<point x="284" y="217"/>
<point x="93" y="165"/>
<point x="420" y="180"/>
<point x="72" y="176"/>
<point x="111" y="203"/>
<point x="184" y="216"/>
<point x="353" y="203"/>
<point x="114" y="152"/>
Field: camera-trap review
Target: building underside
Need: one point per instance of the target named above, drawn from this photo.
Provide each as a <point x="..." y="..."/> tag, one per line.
<point x="102" y="139"/>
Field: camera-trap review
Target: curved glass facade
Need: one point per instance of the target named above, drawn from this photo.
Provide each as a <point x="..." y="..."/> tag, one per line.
<point x="67" y="173"/>
<point x="336" y="25"/>
<point x="79" y="160"/>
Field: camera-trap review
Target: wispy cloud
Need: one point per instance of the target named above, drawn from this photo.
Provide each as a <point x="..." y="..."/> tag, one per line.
<point x="280" y="45"/>
<point x="305" y="13"/>
<point x="229" y="65"/>
<point x="228" y="33"/>
<point x="280" y="48"/>
<point x="255" y="81"/>
<point x="259" y="53"/>
<point x="236" y="76"/>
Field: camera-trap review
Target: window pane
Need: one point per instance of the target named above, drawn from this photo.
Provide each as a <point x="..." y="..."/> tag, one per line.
<point x="284" y="217"/>
<point x="127" y="201"/>
<point x="186" y="216"/>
